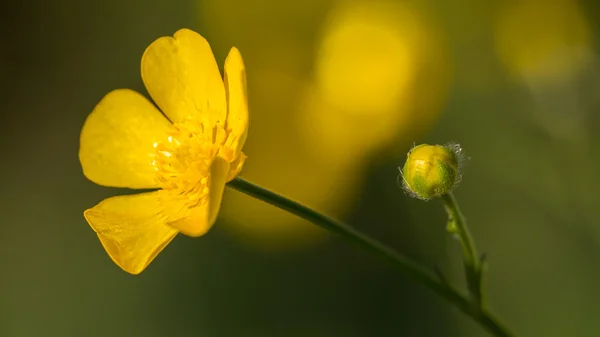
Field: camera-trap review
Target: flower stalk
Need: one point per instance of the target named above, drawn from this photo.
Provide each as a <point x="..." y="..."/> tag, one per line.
<point x="472" y="262"/>
<point x="404" y="264"/>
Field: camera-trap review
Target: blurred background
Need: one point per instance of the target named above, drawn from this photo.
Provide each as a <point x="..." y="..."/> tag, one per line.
<point x="339" y="91"/>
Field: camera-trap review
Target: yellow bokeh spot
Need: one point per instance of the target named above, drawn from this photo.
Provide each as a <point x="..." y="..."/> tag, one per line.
<point x="369" y="68"/>
<point x="367" y="56"/>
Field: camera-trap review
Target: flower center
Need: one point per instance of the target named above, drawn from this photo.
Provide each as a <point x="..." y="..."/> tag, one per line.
<point x="182" y="161"/>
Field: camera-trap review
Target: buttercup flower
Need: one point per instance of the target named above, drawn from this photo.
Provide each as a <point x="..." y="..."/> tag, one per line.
<point x="188" y="155"/>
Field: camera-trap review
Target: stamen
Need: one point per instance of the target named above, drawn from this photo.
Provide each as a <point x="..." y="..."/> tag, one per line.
<point x="182" y="160"/>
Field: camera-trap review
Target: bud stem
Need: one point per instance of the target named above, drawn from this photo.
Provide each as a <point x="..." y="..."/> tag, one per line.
<point x="472" y="262"/>
<point x="409" y="267"/>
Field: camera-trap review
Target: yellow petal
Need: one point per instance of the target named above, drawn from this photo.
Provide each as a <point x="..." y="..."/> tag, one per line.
<point x="131" y="229"/>
<point x="181" y="75"/>
<point x="235" y="167"/>
<point x="237" y="96"/>
<point x="116" y="143"/>
<point x="201" y="218"/>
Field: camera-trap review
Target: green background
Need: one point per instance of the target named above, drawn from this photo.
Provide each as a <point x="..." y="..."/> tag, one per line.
<point x="529" y="191"/>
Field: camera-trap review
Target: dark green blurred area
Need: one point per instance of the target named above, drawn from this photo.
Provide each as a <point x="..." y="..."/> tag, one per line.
<point x="525" y="112"/>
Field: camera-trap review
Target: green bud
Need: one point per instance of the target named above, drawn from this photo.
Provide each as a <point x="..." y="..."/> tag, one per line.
<point x="431" y="171"/>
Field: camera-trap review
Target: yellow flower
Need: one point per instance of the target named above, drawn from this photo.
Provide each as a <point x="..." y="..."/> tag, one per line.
<point x="126" y="142"/>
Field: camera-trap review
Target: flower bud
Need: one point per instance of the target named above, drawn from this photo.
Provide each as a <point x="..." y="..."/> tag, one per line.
<point x="431" y="171"/>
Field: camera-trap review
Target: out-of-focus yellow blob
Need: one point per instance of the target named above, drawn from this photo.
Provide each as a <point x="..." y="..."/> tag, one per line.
<point x="366" y="83"/>
<point x="304" y="145"/>
<point x="367" y="57"/>
<point x="543" y="38"/>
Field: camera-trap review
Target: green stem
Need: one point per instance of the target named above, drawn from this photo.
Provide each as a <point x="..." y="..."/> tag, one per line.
<point x="409" y="267"/>
<point x="473" y="271"/>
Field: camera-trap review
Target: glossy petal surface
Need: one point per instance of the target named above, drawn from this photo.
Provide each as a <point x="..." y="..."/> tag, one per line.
<point x="181" y="75"/>
<point x="131" y="229"/>
<point x="116" y="143"/>
<point x="237" y="96"/>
